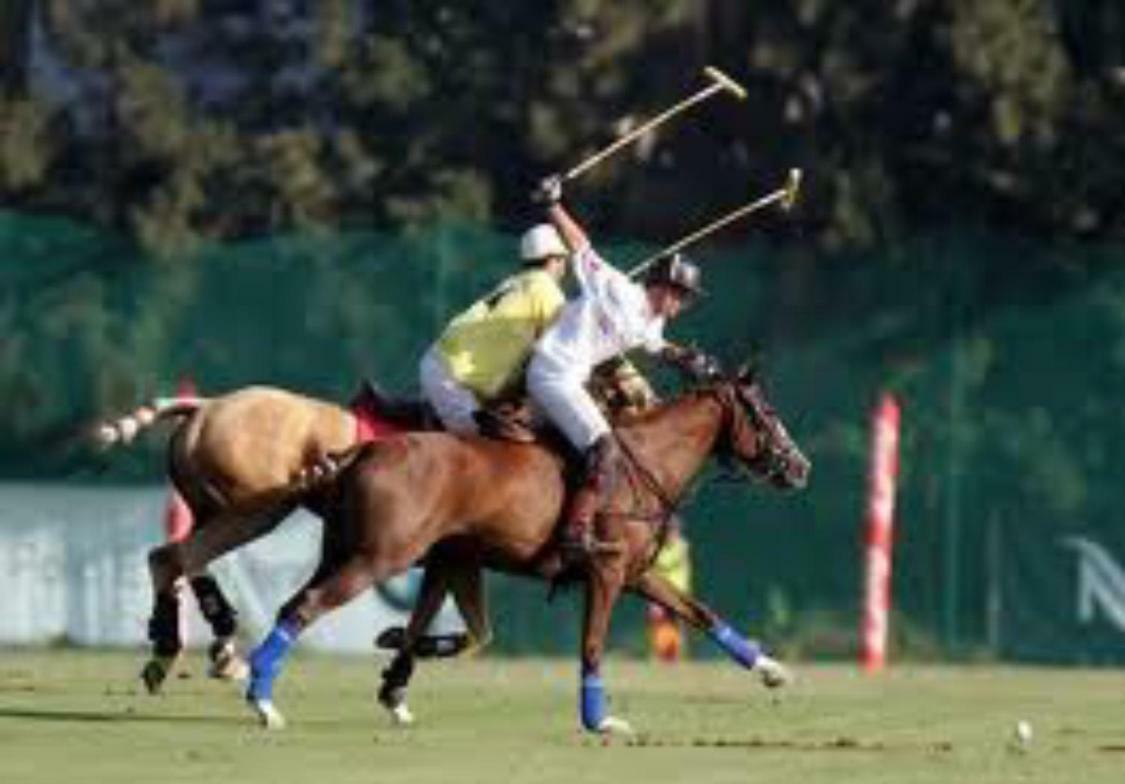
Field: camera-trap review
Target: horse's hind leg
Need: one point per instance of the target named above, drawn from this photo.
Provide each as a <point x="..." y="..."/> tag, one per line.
<point x="745" y="652"/>
<point x="169" y="563"/>
<point x="465" y="582"/>
<point x="226" y="662"/>
<point x="397" y="675"/>
<point x="334" y="584"/>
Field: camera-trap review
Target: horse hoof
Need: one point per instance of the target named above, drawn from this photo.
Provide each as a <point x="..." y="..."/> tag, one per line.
<point x="155" y="672"/>
<point x="773" y="673"/>
<point x="269" y="717"/>
<point x="400" y="715"/>
<point x="611" y="726"/>
<point x="226" y="664"/>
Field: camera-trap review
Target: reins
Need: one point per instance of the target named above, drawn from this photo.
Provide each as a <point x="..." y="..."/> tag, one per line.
<point x="640" y="473"/>
<point x="662" y="519"/>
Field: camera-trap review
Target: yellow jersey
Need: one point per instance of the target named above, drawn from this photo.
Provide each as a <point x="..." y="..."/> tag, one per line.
<point x="486" y="347"/>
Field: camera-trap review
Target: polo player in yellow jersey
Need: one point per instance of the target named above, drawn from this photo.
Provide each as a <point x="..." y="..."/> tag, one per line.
<point x="482" y="354"/>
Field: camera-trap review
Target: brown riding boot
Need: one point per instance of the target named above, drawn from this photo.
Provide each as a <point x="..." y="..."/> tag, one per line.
<point x="576" y="542"/>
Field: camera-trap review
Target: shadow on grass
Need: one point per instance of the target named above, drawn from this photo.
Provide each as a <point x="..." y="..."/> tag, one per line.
<point x="832" y="744"/>
<point x="126" y="716"/>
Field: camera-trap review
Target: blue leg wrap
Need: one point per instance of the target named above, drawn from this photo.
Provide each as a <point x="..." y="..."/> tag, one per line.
<point x="266" y="659"/>
<point x="743" y="651"/>
<point x="592" y="696"/>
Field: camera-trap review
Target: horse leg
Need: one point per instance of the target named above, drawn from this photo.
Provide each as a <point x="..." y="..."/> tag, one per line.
<point x="440" y="577"/>
<point x="397" y="675"/>
<point x="226" y="663"/>
<point x="336" y="582"/>
<point x="464" y="583"/>
<point x="468" y="592"/>
<point x="695" y="613"/>
<point x="171" y="562"/>
<point x="603" y="586"/>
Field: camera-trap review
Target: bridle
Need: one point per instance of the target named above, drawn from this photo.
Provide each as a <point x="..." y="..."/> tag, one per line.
<point x="773" y="457"/>
<point x="743" y="409"/>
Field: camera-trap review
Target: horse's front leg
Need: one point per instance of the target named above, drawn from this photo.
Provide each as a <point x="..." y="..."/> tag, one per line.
<point x="698" y="615"/>
<point x="603" y="587"/>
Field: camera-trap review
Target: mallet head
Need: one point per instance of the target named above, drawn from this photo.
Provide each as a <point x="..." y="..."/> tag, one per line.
<point x="725" y="82"/>
<point x="792" y="189"/>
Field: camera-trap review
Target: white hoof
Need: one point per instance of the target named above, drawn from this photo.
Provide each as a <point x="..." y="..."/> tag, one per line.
<point x="773" y="673"/>
<point x="269" y="717"/>
<point x="234" y="670"/>
<point x="613" y="726"/>
<point x="227" y="665"/>
<point x="401" y="715"/>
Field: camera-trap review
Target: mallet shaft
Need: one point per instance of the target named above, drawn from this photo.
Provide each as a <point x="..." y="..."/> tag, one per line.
<point x="641" y="130"/>
<point x="786" y="195"/>
<point x="720" y="82"/>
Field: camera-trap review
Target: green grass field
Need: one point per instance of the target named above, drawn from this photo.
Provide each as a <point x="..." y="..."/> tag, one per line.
<point x="72" y="716"/>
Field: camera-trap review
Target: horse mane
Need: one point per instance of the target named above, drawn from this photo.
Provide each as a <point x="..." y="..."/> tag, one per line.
<point x="630" y="419"/>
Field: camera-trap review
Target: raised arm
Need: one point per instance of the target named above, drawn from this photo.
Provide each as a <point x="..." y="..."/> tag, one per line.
<point x="594" y="276"/>
<point x="573" y="235"/>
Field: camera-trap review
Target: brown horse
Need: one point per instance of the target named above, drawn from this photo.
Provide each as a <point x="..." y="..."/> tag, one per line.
<point x="474" y="503"/>
<point x="234" y="458"/>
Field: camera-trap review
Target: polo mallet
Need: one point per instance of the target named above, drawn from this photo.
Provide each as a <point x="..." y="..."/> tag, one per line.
<point x="720" y="82"/>
<point x="785" y="196"/>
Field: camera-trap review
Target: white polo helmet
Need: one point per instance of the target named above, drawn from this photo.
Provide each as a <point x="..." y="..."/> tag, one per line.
<point x="541" y="241"/>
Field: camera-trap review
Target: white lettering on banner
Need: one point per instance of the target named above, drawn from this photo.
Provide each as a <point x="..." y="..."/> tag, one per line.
<point x="1101" y="582"/>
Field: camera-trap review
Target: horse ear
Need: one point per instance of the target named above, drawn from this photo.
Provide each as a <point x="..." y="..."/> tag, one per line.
<point x="747" y="372"/>
<point x="750" y="371"/>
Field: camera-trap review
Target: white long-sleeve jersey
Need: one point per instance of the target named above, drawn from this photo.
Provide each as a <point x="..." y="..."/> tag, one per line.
<point x="610" y="316"/>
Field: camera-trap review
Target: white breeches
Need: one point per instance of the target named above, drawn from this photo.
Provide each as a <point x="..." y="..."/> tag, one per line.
<point x="565" y="401"/>
<point x="453" y="403"/>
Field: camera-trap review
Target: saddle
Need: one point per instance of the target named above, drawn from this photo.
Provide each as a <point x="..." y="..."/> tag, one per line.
<point x="381" y="414"/>
<point x="507" y="422"/>
<point x="619" y="389"/>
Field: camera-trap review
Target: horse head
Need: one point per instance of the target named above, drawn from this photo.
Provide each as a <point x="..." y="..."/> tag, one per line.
<point x="754" y="440"/>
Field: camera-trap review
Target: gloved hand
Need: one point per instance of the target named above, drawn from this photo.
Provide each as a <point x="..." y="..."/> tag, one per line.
<point x="548" y="192"/>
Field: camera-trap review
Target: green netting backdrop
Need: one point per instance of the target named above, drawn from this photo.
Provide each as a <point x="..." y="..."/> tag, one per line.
<point x="1008" y="357"/>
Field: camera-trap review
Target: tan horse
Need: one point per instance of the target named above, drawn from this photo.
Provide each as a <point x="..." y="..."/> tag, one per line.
<point x="475" y="503"/>
<point x="234" y="459"/>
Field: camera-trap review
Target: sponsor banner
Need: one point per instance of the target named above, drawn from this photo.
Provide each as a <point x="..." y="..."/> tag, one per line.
<point x="73" y="567"/>
<point x="1063" y="596"/>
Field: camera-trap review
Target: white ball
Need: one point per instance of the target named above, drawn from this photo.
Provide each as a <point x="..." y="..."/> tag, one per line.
<point x="1023" y="731"/>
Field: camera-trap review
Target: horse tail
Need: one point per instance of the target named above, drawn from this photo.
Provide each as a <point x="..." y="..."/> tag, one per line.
<point x="123" y="429"/>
